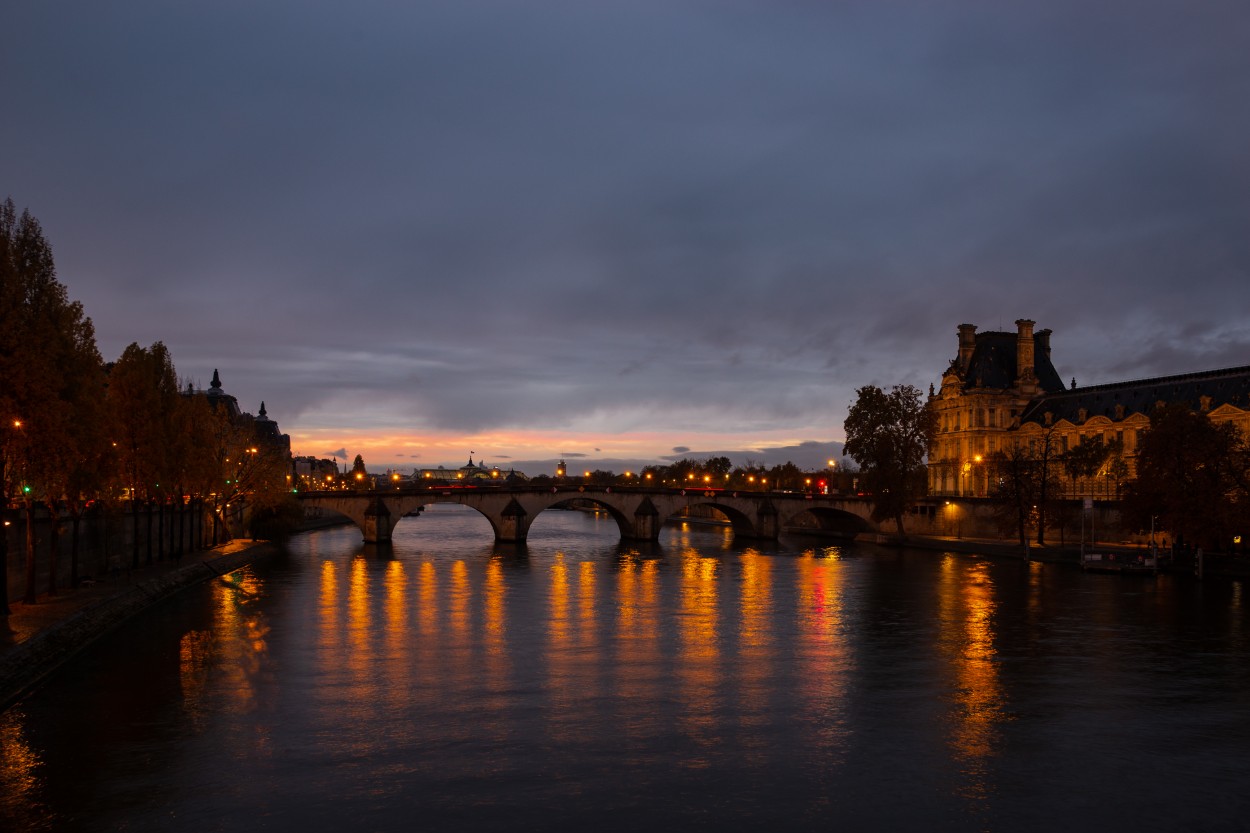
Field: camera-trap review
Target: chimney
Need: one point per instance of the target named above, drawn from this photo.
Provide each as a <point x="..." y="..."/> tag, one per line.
<point x="1024" y="349"/>
<point x="1042" y="340"/>
<point x="967" y="343"/>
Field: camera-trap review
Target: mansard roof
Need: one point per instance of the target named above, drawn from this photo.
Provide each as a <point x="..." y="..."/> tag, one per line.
<point x="993" y="362"/>
<point x="1230" y="386"/>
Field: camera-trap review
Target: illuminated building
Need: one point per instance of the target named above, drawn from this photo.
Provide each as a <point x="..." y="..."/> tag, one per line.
<point x="1002" y="390"/>
<point x="470" y="474"/>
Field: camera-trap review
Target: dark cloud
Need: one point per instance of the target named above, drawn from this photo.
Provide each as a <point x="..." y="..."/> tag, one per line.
<point x="633" y="218"/>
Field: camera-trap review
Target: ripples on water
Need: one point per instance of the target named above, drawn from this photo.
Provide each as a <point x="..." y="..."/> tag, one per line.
<point x="582" y="683"/>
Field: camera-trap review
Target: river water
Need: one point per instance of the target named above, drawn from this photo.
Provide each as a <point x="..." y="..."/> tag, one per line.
<point x="697" y="684"/>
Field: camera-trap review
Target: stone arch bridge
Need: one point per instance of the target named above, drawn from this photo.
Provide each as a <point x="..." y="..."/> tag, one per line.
<point x="639" y="513"/>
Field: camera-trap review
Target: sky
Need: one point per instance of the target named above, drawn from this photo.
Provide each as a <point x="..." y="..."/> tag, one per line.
<point x="628" y="232"/>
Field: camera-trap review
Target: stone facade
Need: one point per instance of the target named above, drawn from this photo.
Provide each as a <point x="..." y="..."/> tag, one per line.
<point x="1001" y="390"/>
<point x="985" y="390"/>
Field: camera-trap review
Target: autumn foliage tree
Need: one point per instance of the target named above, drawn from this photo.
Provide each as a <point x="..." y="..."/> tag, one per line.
<point x="144" y="405"/>
<point x="73" y="432"/>
<point x="1193" y="478"/>
<point x="50" y="374"/>
<point x="889" y="434"/>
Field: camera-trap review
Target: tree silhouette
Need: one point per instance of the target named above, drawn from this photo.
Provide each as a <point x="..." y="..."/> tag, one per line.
<point x="51" y="374"/>
<point x="1191" y="477"/>
<point x="888" y="434"/>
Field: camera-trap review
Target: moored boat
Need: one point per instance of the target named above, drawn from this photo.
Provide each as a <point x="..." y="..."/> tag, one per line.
<point x="1110" y="562"/>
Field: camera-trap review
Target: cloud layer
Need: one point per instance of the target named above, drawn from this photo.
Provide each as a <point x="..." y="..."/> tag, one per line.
<point x="555" y="227"/>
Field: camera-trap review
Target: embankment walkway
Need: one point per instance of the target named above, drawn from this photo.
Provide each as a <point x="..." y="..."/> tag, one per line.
<point x="37" y="639"/>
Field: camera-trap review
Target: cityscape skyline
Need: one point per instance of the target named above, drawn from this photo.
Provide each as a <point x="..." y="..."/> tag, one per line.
<point x="633" y="232"/>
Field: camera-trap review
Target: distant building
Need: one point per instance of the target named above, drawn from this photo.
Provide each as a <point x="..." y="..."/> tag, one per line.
<point x="313" y="471"/>
<point x="264" y="429"/>
<point x="470" y="473"/>
<point x="1002" y="388"/>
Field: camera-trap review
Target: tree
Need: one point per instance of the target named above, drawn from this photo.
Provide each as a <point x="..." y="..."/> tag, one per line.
<point x="1083" y="461"/>
<point x="1047" y="466"/>
<point x="244" y="470"/>
<point x="145" y="404"/>
<point x="888" y="435"/>
<point x="1027" y="485"/>
<point x="1191" y="478"/>
<point x="1015" y="474"/>
<point x="49" y="376"/>
<point x="786" y="476"/>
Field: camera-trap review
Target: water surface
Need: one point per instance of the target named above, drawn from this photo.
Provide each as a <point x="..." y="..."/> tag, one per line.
<point x="579" y="683"/>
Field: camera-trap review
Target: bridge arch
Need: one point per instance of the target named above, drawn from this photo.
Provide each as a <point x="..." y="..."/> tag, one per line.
<point x="743" y="525"/>
<point x="831" y="520"/>
<point x="413" y="512"/>
<point x="624" y="522"/>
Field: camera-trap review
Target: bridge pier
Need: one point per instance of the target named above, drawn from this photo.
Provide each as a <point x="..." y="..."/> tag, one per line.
<point x="767" y="521"/>
<point x="514" y="523"/>
<point x="379" y="523"/>
<point x="647" y="522"/>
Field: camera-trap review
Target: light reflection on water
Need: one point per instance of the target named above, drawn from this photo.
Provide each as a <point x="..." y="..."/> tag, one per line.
<point x="582" y="682"/>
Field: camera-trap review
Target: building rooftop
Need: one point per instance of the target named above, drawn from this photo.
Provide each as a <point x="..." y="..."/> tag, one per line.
<point x="993" y="362"/>
<point x="1115" y="401"/>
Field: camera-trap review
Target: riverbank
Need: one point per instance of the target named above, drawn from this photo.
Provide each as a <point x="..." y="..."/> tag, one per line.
<point x="998" y="547"/>
<point x="37" y="639"/>
<point x="1221" y="565"/>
